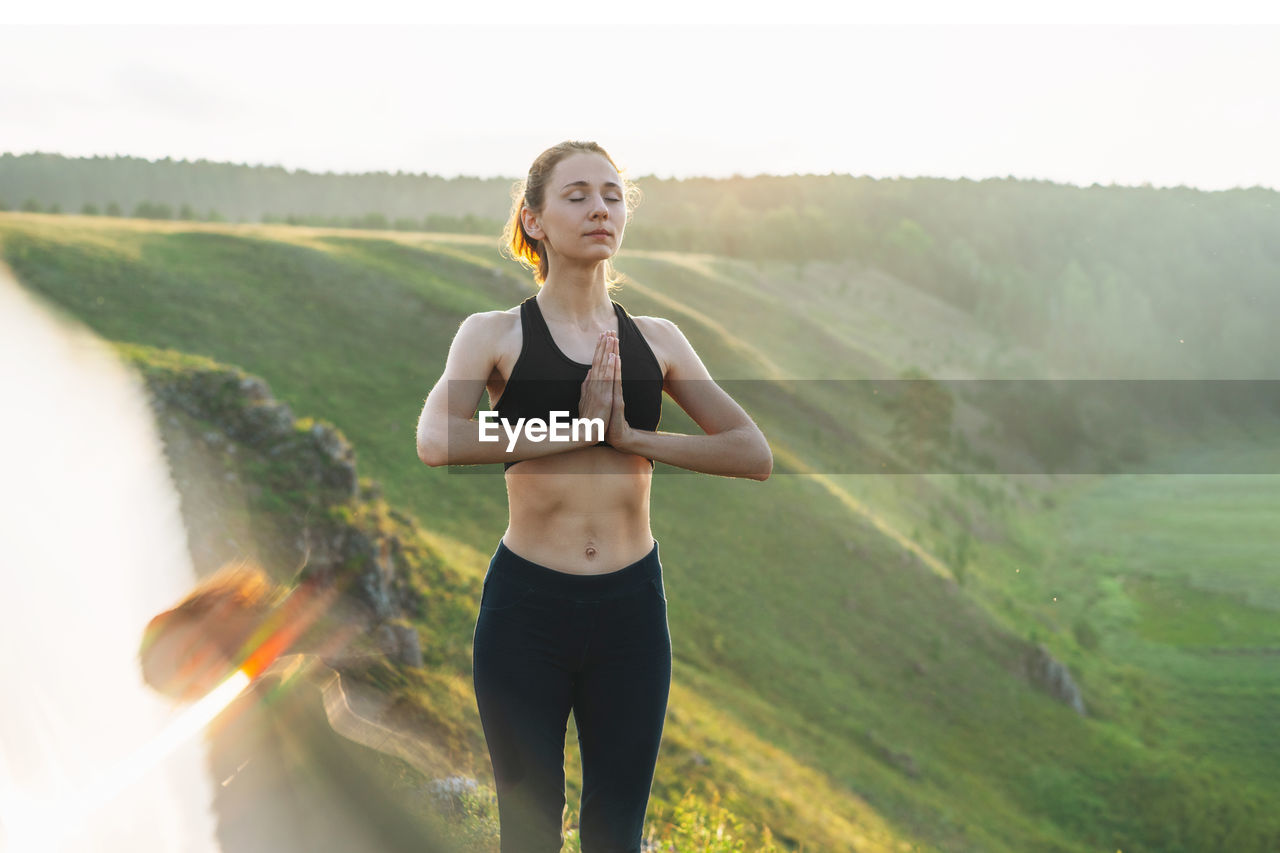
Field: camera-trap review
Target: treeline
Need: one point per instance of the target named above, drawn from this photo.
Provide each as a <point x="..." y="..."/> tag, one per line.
<point x="143" y="210"/>
<point x="158" y="210"/>
<point x="1111" y="281"/>
<point x="244" y="193"/>
<point x="376" y="221"/>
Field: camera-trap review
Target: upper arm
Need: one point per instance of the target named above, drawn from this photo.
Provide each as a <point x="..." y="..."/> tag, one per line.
<point x="689" y="383"/>
<point x="467" y="368"/>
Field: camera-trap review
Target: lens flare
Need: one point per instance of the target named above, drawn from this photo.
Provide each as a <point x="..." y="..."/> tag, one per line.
<point x="29" y="824"/>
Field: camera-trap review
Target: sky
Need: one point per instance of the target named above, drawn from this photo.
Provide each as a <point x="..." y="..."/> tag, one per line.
<point x="1089" y="99"/>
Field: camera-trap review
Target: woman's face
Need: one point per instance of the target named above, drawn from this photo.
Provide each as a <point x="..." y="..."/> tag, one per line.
<point x="584" y="195"/>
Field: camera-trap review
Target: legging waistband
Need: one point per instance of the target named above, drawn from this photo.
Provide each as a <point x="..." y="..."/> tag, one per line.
<point x="512" y="566"/>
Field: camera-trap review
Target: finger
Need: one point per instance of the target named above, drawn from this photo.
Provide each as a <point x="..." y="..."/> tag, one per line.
<point x="595" y="358"/>
<point x="602" y="347"/>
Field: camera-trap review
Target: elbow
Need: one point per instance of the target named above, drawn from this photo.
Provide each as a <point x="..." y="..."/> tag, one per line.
<point x="433" y="441"/>
<point x="763" y="465"/>
<point x="757" y="461"/>
<point x="431" y="453"/>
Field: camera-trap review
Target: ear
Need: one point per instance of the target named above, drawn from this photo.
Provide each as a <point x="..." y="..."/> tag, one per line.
<point x="531" y="226"/>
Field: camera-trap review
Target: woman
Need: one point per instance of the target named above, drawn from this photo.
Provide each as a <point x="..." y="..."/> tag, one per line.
<point x="573" y="612"/>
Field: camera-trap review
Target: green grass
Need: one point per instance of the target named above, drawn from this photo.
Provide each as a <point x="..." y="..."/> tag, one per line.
<point x="817" y="662"/>
<point x="1177" y="577"/>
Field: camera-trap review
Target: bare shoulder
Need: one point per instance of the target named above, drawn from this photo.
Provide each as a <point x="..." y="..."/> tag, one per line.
<point x="655" y="327"/>
<point x="497" y="334"/>
<point x="495" y="325"/>
<point x="657" y="332"/>
<point x="674" y="351"/>
<point x="661" y="328"/>
<point x="481" y="340"/>
<point x="506" y="328"/>
<point x="499" y="316"/>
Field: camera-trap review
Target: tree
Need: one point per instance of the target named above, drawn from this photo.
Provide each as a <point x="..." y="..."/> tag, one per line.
<point x="89" y="209"/>
<point x="908" y="251"/>
<point x="782" y="237"/>
<point x="31" y="206"/>
<point x="113" y="209"/>
<point x="148" y="210"/>
<point x="728" y="223"/>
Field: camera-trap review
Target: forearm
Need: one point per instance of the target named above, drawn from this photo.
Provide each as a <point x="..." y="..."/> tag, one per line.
<point x="738" y="452"/>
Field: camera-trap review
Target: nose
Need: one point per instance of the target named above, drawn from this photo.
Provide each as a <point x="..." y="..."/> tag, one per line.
<point x="599" y="210"/>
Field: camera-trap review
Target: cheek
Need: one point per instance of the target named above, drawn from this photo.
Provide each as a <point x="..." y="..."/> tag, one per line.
<point x="560" y="216"/>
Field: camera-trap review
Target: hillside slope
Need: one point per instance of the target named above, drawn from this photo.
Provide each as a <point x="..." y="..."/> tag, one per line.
<point x="833" y="679"/>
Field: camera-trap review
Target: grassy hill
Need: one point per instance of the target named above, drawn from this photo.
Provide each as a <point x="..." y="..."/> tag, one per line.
<point x="851" y="652"/>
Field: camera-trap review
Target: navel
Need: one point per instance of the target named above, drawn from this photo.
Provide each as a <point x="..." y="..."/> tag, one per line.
<point x="591" y="552"/>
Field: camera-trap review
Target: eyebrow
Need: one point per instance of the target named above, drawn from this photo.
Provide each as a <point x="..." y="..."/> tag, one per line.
<point x="587" y="184"/>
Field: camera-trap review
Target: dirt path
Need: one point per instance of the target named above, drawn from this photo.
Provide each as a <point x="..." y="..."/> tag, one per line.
<point x="360" y="714"/>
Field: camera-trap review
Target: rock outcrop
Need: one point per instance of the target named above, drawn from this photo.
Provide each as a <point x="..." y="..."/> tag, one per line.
<point x="1052" y="676"/>
<point x="257" y="483"/>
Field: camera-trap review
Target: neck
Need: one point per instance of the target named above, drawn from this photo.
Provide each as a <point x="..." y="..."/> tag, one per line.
<point x="578" y="296"/>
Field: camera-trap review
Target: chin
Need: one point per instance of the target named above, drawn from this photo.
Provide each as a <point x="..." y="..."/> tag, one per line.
<point x="593" y="257"/>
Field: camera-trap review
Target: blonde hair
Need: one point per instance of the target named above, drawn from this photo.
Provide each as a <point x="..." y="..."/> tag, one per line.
<point x="532" y="193"/>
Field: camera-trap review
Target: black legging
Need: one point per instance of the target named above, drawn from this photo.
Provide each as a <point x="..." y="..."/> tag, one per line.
<point x="546" y="642"/>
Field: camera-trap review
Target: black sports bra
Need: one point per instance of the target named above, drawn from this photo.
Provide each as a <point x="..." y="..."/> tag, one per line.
<point x="544" y="379"/>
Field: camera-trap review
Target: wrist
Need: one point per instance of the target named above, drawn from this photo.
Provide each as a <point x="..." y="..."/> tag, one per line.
<point x="628" y="439"/>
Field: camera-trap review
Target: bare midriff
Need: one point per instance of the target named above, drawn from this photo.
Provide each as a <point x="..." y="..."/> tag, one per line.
<point x="583" y="511"/>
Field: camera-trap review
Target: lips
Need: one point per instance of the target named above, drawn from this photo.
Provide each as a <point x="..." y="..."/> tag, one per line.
<point x="601" y="232"/>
